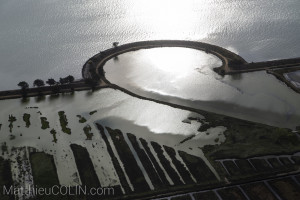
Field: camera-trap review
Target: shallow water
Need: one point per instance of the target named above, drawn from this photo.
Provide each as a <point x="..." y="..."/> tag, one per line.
<point x="54" y="38"/>
<point x="294" y="77"/>
<point x="115" y="109"/>
<point x="185" y="77"/>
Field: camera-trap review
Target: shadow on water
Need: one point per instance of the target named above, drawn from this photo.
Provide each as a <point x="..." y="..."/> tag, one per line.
<point x="89" y="93"/>
<point x="25" y="101"/>
<point x="69" y="95"/>
<point x="53" y="97"/>
<point x="40" y="98"/>
<point x="236" y="76"/>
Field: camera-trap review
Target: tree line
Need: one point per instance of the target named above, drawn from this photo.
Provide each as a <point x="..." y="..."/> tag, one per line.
<point x="51" y="82"/>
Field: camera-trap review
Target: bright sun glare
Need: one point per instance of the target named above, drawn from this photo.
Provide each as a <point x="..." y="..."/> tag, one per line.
<point x="172" y="61"/>
<point x="168" y="17"/>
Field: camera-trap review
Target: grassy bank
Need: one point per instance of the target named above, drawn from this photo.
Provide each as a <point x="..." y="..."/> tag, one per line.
<point x="247" y="139"/>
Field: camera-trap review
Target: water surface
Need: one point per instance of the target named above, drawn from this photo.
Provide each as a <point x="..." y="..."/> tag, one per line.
<point x="294" y="77"/>
<point x="186" y="77"/>
<point x="54" y="38"/>
<point x="117" y="110"/>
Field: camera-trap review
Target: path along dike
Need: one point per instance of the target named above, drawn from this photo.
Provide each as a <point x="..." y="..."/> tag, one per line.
<point x="231" y="62"/>
<point x="93" y="68"/>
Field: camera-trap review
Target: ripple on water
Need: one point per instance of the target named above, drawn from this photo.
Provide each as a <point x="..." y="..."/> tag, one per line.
<point x="186" y="77"/>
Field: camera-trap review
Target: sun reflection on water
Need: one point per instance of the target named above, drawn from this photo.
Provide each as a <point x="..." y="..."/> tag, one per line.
<point x="168" y="70"/>
<point x="173" y="61"/>
<point x="170" y="17"/>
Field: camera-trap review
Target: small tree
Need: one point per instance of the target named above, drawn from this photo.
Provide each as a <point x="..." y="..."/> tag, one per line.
<point x="38" y="83"/>
<point x="115" y="44"/>
<point x="24" y="86"/>
<point x="70" y="78"/>
<point x="51" y="82"/>
<point x="63" y="81"/>
<point x="56" y="89"/>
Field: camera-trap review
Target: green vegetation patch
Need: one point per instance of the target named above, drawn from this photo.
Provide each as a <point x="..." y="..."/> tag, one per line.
<point x="64" y="122"/>
<point x="45" y="123"/>
<point x="53" y="133"/>
<point x="81" y="119"/>
<point x="87" y="131"/>
<point x="93" y="112"/>
<point x="248" y="139"/>
<point x="11" y="120"/>
<point x="26" y="119"/>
